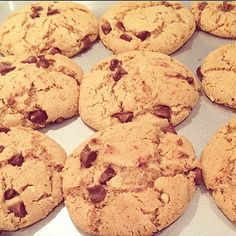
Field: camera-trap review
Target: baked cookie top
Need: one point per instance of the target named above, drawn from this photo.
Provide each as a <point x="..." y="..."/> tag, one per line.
<point x="218" y="74"/>
<point x="146" y="26"/>
<point x="37" y="90"/>
<point x="219" y="168"/>
<point x="134" y="171"/>
<point x="133" y="86"/>
<point x="217" y="17"/>
<point x="45" y="27"/>
<point x="30" y="177"/>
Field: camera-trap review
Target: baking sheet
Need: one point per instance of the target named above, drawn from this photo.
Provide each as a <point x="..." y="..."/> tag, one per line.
<point x="202" y="216"/>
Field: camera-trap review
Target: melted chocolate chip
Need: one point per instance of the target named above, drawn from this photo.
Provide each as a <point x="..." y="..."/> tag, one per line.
<point x="86" y="42"/>
<point x="97" y="193"/>
<point x="114" y="63"/>
<point x="52" y="11"/>
<point x="198" y="176"/>
<point x="1" y="148"/>
<point x="169" y="129"/>
<point x="108" y="174"/>
<point x="35" y="11"/>
<point x="120" y="26"/>
<point x="162" y="111"/>
<point x="4" y="130"/>
<point x="202" y="5"/>
<point x="36" y="8"/>
<point x="126" y="37"/>
<point x="16" y="160"/>
<point x="143" y="35"/>
<point x="11" y="101"/>
<point x="43" y="62"/>
<point x="29" y="60"/>
<point x="10" y="193"/>
<point x="38" y="116"/>
<point x="87" y="157"/>
<point x="199" y="73"/>
<point x="106" y="28"/>
<point x="55" y="50"/>
<point x="6" y="67"/>
<point x="226" y="7"/>
<point x="119" y="73"/>
<point x="124" y="117"/>
<point x="18" y="209"/>
<point x="190" y="80"/>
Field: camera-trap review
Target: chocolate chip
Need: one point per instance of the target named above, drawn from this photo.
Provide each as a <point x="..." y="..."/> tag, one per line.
<point x="34" y="15"/>
<point x="52" y="11"/>
<point x="87" y="157"/>
<point x="120" y="26"/>
<point x="16" y="160"/>
<point x="36" y="8"/>
<point x="190" y="80"/>
<point x="166" y="4"/>
<point x="124" y="117"/>
<point x="198" y="176"/>
<point x="106" y="28"/>
<point x="35" y="11"/>
<point x="169" y="129"/>
<point x="4" y="130"/>
<point x="29" y="60"/>
<point x="119" y="73"/>
<point x="11" y="101"/>
<point x="6" y="67"/>
<point x="226" y="7"/>
<point x="108" y="174"/>
<point x="143" y="35"/>
<point x="114" y="63"/>
<point x="43" y="62"/>
<point x="202" y="5"/>
<point x="86" y="42"/>
<point x="1" y="148"/>
<point x="162" y="111"/>
<point x="18" y="209"/>
<point x="10" y="193"/>
<point x="54" y="51"/>
<point x="126" y="37"/>
<point x="97" y="193"/>
<point x="199" y="73"/>
<point x="38" y="116"/>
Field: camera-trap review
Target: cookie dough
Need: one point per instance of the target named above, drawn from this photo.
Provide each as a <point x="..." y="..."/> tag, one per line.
<point x="130" y="179"/>
<point x="38" y="90"/>
<point x="219" y="168"/>
<point x="133" y="86"/>
<point x="45" y="27"/>
<point x="30" y="177"/>
<point x="146" y="26"/>
<point x="216" y="17"/>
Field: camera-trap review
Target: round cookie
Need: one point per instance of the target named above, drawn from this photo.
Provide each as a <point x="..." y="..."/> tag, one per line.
<point x="146" y="26"/>
<point x="144" y="176"/>
<point x="30" y="176"/>
<point x="218" y="75"/>
<point x="37" y="90"/>
<point x="217" y="17"/>
<point x="136" y="85"/>
<point x="219" y="168"/>
<point x="44" y="27"/>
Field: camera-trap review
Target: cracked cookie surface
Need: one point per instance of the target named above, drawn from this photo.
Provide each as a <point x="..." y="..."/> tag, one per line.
<point x="146" y="26"/>
<point x="45" y="26"/>
<point x="142" y="175"/>
<point x="30" y="176"/>
<point x="219" y="168"/>
<point x="218" y="75"/>
<point x="38" y="90"/>
<point x="133" y="86"/>
<point x="216" y="17"/>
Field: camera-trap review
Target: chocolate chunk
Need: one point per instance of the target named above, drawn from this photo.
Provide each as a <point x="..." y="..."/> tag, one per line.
<point x="97" y="193"/>
<point x="120" y="26"/>
<point x="6" y="67"/>
<point x="16" y="160"/>
<point x="29" y="60"/>
<point x="169" y="129"/>
<point x="143" y="35"/>
<point x="52" y="11"/>
<point x="106" y="28"/>
<point x="1" y="148"/>
<point x="226" y="7"/>
<point x="162" y="111"/>
<point x="43" y="62"/>
<point x="199" y="73"/>
<point x="86" y="42"/>
<point x="114" y="63"/>
<point x="202" y="5"/>
<point x="35" y="11"/>
<point x="10" y="193"/>
<point x="4" y="130"/>
<point x="126" y="37"/>
<point x="108" y="174"/>
<point x="18" y="209"/>
<point x="87" y="157"/>
<point x="38" y="116"/>
<point x="190" y="80"/>
<point x="54" y="51"/>
<point x="124" y="117"/>
<point x="198" y="176"/>
<point x="119" y="73"/>
<point x="36" y="8"/>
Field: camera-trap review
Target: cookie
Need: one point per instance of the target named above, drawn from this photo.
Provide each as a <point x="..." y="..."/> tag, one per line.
<point x="146" y="26"/>
<point x="219" y="168"/>
<point x="38" y="90"/>
<point x="216" y="18"/>
<point x="30" y="176"/>
<point x="133" y="86"/>
<point x="133" y="170"/>
<point x="218" y="75"/>
<point x="49" y="27"/>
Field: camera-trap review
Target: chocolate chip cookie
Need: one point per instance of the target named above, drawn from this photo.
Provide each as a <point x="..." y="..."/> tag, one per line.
<point x="130" y="173"/>
<point x="216" y="17"/>
<point x="30" y="176"/>
<point x="219" y="168"/>
<point x="218" y="75"/>
<point x="133" y="86"/>
<point x="38" y="89"/>
<point x="49" y="27"/>
<point x="146" y="26"/>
